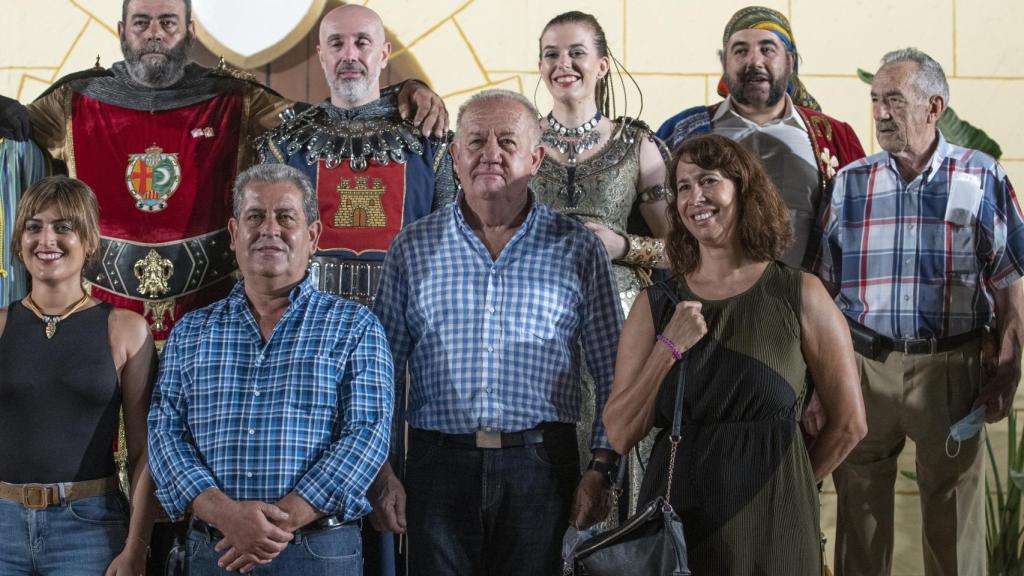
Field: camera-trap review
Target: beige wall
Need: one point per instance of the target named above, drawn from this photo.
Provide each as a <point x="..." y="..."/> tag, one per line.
<point x="669" y="46"/>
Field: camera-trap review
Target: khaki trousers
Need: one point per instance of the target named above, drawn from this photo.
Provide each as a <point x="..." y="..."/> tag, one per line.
<point x="917" y="396"/>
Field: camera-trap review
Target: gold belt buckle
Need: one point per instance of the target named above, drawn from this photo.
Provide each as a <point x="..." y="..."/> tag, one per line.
<point x="35" y="496"/>
<point x="488" y="439"/>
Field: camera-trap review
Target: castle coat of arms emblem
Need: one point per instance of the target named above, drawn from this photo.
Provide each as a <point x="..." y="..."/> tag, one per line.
<point x="152" y="178"/>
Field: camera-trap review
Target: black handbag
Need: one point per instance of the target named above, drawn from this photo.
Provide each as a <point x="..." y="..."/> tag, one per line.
<point x="650" y="543"/>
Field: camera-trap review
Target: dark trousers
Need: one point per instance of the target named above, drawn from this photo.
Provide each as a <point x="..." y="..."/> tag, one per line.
<point x="489" y="512"/>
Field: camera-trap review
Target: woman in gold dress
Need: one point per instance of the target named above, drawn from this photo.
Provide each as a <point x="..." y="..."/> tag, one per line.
<point x="608" y="172"/>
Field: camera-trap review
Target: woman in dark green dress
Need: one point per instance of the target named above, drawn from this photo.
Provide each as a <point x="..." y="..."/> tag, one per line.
<point x="744" y="482"/>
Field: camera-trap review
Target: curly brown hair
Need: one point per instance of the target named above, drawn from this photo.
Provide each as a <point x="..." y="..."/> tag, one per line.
<point x="762" y="218"/>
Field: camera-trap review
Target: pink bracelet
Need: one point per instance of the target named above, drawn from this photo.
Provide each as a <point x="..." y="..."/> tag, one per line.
<point x="671" y="346"/>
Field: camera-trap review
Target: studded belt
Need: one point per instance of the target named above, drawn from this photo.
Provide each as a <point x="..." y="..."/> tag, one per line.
<point x="160" y="271"/>
<point x="353" y="279"/>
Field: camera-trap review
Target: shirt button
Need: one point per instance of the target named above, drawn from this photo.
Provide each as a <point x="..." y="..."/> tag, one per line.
<point x="248" y="474"/>
<point x="911" y="226"/>
<point x="251" y="431"/>
<point x="490" y="349"/>
<point x="907" y="261"/>
<point x="906" y="297"/>
<point x="494" y="270"/>
<point x="490" y="310"/>
<point x="488" y="389"/>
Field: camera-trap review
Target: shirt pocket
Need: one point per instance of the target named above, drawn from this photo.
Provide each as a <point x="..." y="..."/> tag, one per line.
<point x="311" y="385"/>
<point x="543" y="313"/>
<point x="961" y="251"/>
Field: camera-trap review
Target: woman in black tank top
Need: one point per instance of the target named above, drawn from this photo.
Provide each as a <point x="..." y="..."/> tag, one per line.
<point x="68" y="364"/>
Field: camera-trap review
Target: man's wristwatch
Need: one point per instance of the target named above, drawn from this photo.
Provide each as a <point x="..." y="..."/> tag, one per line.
<point x="605" y="469"/>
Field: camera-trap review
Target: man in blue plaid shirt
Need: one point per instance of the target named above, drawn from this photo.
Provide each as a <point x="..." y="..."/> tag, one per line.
<point x="924" y="248"/>
<point x="273" y="406"/>
<point x="493" y="301"/>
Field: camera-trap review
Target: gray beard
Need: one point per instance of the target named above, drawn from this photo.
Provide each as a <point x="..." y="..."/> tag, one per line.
<point x="350" y="91"/>
<point x="160" y="74"/>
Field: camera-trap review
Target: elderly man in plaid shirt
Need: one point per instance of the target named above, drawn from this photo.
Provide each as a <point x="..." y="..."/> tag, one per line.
<point x="273" y="407"/>
<point x="492" y="301"/>
<point x="924" y="249"/>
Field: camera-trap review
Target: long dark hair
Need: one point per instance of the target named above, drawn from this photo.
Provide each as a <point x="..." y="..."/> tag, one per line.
<point x="761" y="216"/>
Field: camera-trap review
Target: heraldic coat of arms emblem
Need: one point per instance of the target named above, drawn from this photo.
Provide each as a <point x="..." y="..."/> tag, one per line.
<point x="152" y="178"/>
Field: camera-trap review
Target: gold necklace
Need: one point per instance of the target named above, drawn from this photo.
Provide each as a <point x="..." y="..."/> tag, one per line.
<point x="52" y="321"/>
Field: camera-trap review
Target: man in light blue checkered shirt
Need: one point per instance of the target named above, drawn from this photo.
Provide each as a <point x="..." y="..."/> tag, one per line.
<point x="492" y="303"/>
<point x="273" y="407"/>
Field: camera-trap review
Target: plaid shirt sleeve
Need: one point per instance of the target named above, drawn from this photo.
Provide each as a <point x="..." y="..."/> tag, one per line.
<point x="830" y="256"/>
<point x="177" y="469"/>
<point x="602" y="322"/>
<point x="390" y="307"/>
<point x="1003" y="225"/>
<point x="348" y="466"/>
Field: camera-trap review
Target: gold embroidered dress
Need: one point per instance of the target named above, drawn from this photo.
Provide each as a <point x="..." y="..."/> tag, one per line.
<point x="603" y="189"/>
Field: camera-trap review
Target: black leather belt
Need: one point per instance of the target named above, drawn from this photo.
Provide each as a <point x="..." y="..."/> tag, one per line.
<point x="872" y="345"/>
<point x="161" y="271"/>
<point x="318" y="525"/>
<point x="353" y="279"/>
<point x="489" y="439"/>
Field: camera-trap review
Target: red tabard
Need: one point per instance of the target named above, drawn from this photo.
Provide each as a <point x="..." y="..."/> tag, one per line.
<point x="160" y="177"/>
<point x="361" y="212"/>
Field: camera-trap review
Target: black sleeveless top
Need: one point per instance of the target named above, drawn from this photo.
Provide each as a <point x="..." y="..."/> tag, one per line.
<point x="742" y="483"/>
<point x="59" y="398"/>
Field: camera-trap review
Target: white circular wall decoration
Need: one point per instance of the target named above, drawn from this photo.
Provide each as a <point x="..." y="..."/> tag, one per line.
<point x="251" y="33"/>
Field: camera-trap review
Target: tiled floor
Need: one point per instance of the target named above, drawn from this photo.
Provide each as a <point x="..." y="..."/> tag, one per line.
<point x="907" y="552"/>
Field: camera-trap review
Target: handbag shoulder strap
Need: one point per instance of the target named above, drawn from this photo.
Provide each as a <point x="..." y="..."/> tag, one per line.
<point x="677" y="409"/>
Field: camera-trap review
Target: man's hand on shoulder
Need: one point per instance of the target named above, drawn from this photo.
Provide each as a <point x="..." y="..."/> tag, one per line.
<point x="14" y="121"/>
<point x="387" y="495"/>
<point x="425" y="109"/>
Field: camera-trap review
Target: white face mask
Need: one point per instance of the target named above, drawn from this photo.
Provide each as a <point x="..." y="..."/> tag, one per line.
<point x="965" y="429"/>
<point x="570" y="541"/>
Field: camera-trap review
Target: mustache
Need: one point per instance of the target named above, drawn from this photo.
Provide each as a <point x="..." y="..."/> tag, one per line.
<point x="153" y="47"/>
<point x="349" y="67"/>
<point x="757" y="76"/>
<point x="886" y="125"/>
<point x="272" y="244"/>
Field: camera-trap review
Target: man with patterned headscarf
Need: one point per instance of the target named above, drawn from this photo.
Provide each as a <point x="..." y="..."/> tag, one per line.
<point x="769" y="110"/>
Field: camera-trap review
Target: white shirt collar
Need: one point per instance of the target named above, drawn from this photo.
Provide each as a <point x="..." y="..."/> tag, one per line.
<point x="789" y="116"/>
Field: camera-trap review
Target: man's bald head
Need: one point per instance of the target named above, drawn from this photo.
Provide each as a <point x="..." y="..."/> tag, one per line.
<point x="353" y="52"/>
<point x="354" y="15"/>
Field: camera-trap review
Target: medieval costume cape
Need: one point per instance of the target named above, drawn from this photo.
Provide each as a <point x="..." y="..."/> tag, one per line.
<point x="162" y="163"/>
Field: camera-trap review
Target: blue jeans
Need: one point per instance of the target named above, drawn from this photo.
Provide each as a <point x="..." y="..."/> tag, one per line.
<point x="334" y="552"/>
<point x="493" y="512"/>
<point x="78" y="538"/>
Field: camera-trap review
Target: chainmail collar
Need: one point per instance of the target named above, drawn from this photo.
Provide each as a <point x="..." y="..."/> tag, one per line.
<point x="198" y="84"/>
<point x="373" y="131"/>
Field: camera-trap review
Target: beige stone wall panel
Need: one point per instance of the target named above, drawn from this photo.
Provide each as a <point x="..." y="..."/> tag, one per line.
<point x="847" y="99"/>
<point x="988" y="38"/>
<point x="682" y="36"/>
<point x="838" y="37"/>
<point x="506" y="34"/>
<point x="411" y="19"/>
<point x="991" y="105"/>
